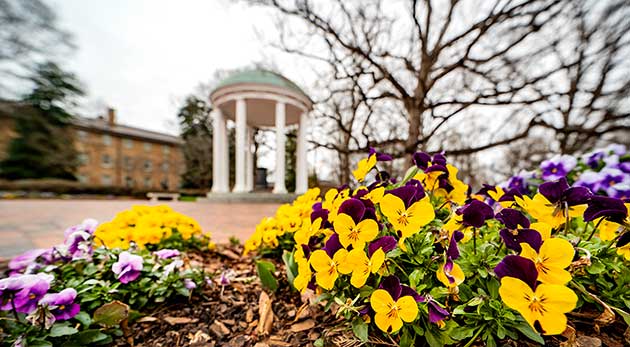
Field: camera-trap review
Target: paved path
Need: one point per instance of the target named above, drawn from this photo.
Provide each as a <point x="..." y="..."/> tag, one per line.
<point x="26" y="224"/>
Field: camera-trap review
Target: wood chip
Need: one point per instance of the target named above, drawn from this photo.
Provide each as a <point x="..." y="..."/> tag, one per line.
<point x="199" y="337"/>
<point x="219" y="329"/>
<point x="179" y="320"/>
<point x="301" y="326"/>
<point x="265" y="312"/>
<point x="229" y="254"/>
<point x="249" y="315"/>
<point x="147" y="319"/>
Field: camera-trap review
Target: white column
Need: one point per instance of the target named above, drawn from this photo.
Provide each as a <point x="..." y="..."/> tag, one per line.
<point x="279" y="187"/>
<point x="301" y="163"/>
<point x="219" y="162"/>
<point x="250" y="160"/>
<point x="241" y="146"/>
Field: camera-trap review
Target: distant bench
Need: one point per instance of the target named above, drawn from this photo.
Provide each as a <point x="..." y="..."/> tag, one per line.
<point x="154" y="196"/>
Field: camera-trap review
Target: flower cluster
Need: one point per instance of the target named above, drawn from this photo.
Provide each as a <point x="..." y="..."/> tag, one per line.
<point x="149" y="225"/>
<point x="290" y="219"/>
<point x="424" y="254"/>
<point x="604" y="171"/>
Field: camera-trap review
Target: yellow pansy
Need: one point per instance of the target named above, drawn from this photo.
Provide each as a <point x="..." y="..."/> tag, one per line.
<point x="455" y="273"/>
<point x="543" y="228"/>
<point x="390" y="314"/>
<point x="362" y="266"/>
<point x="307" y="230"/>
<point x="363" y="167"/>
<point x="544" y="211"/>
<point x="554" y="256"/>
<point x="355" y="234"/>
<point x="407" y="221"/>
<point x="327" y="269"/>
<point x="547" y="305"/>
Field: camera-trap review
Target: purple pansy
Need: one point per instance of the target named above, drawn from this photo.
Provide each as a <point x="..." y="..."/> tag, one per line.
<point x="514" y="237"/>
<point x="27" y="260"/>
<point x="557" y="167"/>
<point x="34" y="287"/>
<point x="332" y="245"/>
<point x="615" y="148"/>
<point x="409" y="193"/>
<point x="559" y="193"/>
<point x="589" y="179"/>
<point x="512" y="219"/>
<point x="437" y="313"/>
<point x="475" y="213"/>
<point x="62" y="304"/>
<point x="452" y="252"/>
<point x="593" y="159"/>
<point x="189" y="284"/>
<point x="392" y="285"/>
<point x="519" y="182"/>
<point x="353" y="208"/>
<point x="518" y="267"/>
<point x="380" y="156"/>
<point x="602" y="206"/>
<point x="128" y="267"/>
<point x="166" y="253"/>
<point x="620" y="191"/>
<point x="386" y="243"/>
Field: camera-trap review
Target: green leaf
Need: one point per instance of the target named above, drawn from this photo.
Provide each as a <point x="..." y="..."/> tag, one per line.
<point x="39" y="343"/>
<point x="111" y="313"/>
<point x="360" y="329"/>
<point x="319" y="342"/>
<point x="289" y="263"/>
<point x="527" y="330"/>
<point x="406" y="339"/>
<point x="90" y="336"/>
<point x="625" y="315"/>
<point x="84" y="318"/>
<point x="62" y="330"/>
<point x="265" y="271"/>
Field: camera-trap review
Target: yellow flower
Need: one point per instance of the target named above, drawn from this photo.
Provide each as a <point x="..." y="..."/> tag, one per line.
<point x="544" y="211"/>
<point x="459" y="192"/>
<point x="333" y="200"/>
<point x="376" y="195"/>
<point x="362" y="266"/>
<point x="363" y="167"/>
<point x="355" y="234"/>
<point x="624" y="251"/>
<point x="407" y="220"/>
<point x="303" y="235"/>
<point x="543" y="228"/>
<point x="390" y="314"/>
<point x="304" y="276"/>
<point x="327" y="269"/>
<point x="554" y="256"/>
<point x="547" y="305"/>
<point x="455" y="273"/>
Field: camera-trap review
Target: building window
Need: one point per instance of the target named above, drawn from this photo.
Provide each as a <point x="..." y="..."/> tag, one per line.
<point x="147" y="146"/>
<point x="166" y="149"/>
<point x="82" y="135"/>
<point x="164" y="184"/>
<point x="84" y="158"/>
<point x="129" y="181"/>
<point x="83" y="178"/>
<point x="107" y="140"/>
<point x="128" y="143"/>
<point x="147" y="182"/>
<point x="106" y="160"/>
<point x="127" y="163"/>
<point x="106" y="180"/>
<point x="165" y="166"/>
<point x="148" y="165"/>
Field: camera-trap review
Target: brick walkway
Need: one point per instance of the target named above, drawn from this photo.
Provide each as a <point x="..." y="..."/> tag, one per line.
<point x="26" y="224"/>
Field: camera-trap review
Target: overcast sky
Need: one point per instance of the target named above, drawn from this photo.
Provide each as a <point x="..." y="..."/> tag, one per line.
<point x="140" y="57"/>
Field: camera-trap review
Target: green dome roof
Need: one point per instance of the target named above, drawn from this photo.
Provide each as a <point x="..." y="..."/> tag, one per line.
<point x="261" y="77"/>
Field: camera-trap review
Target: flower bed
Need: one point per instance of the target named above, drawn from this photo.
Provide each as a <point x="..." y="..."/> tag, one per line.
<point x="422" y="260"/>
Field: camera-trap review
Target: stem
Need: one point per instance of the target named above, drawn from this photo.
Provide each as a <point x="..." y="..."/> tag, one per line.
<point x="566" y="222"/>
<point x="473" y="338"/>
<point x="596" y="226"/>
<point x="474" y="241"/>
<point x="499" y="248"/>
<point x="15" y="314"/>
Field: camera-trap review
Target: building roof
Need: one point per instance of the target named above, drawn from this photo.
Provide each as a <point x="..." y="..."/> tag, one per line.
<point x="260" y="76"/>
<point x="101" y="124"/>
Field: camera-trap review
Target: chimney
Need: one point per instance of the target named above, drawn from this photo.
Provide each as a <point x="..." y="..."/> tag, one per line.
<point x="111" y="116"/>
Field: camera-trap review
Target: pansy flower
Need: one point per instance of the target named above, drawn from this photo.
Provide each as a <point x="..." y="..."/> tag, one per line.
<point x="34" y="287"/>
<point x="475" y="214"/>
<point x="557" y="167"/>
<point x="62" y="304"/>
<point x="364" y="166"/>
<point x="363" y="265"/>
<point x="327" y="268"/>
<point x="406" y="213"/>
<point x="128" y="267"/>
<point x="394" y="304"/>
<point x="551" y="260"/>
<point x="351" y="227"/>
<point x="450" y="274"/>
<point x="517" y="230"/>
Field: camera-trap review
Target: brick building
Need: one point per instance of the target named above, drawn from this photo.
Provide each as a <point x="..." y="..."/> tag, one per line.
<point x="111" y="154"/>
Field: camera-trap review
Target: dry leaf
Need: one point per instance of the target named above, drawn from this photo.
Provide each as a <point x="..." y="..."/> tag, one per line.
<point x="569" y="334"/>
<point x="147" y="319"/>
<point x="199" y="337"/>
<point x="301" y="326"/>
<point x="179" y="320"/>
<point x="265" y="312"/>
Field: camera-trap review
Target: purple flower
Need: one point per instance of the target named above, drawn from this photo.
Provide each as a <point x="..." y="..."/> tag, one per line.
<point x="224" y="279"/>
<point x="409" y="193"/>
<point x="519" y="182"/>
<point x="589" y="179"/>
<point x="557" y="167"/>
<point x="620" y="191"/>
<point x="518" y="267"/>
<point x="559" y="193"/>
<point x="610" y="177"/>
<point x="421" y="160"/>
<point x="602" y="206"/>
<point x="26" y="260"/>
<point x="616" y="149"/>
<point x="593" y="159"/>
<point x="512" y="219"/>
<point x="386" y="243"/>
<point x="436" y="312"/>
<point x="166" y="253"/>
<point x="34" y="287"/>
<point x="475" y="214"/>
<point x="392" y="285"/>
<point x="62" y="304"/>
<point x="128" y="267"/>
<point x="380" y="156"/>
<point x="332" y="245"/>
<point x="353" y="208"/>
<point x="514" y="237"/>
<point x="189" y="284"/>
<point x="452" y="252"/>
